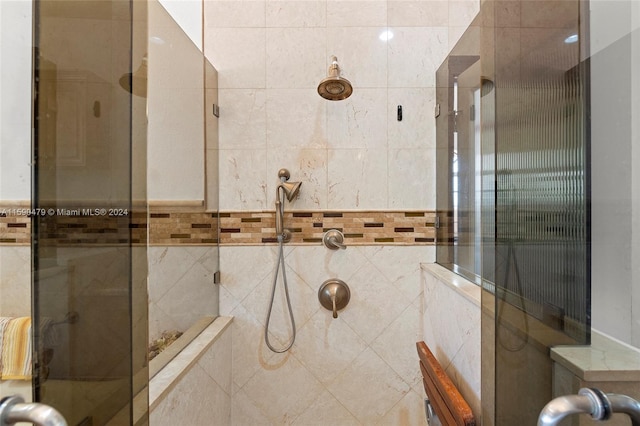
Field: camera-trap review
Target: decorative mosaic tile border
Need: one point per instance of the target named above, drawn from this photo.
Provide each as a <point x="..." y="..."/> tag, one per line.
<point x="236" y="228"/>
<point x="167" y="229"/>
<point x="15" y="229"/>
<point x="358" y="227"/>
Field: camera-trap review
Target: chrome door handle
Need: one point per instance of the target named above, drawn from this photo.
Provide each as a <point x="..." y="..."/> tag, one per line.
<point x="589" y="401"/>
<point x="13" y="409"/>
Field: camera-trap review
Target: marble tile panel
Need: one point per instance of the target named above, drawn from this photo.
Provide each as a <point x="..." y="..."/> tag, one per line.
<point x="327" y="346"/>
<point x="227" y="301"/>
<point x="295" y="57"/>
<point x="464" y="371"/>
<point x="470" y="290"/>
<point x="243" y="122"/>
<point x="207" y="256"/>
<point x="248" y="346"/>
<point x="326" y="410"/>
<point x="361" y="54"/>
<point x="408" y="411"/>
<point x="417" y="128"/>
<point x="350" y="13"/>
<point x="191" y="297"/>
<point x="15" y="281"/>
<point x="290" y="387"/>
<point x="303" y="301"/>
<point x="461" y="13"/>
<point x="412" y="183"/>
<point x="369" y="311"/>
<point x="289" y="14"/>
<point x="418" y="13"/>
<point x="606" y="359"/>
<point x="401" y="266"/>
<point x="244" y="411"/>
<point x="308" y="166"/>
<point x="414" y="64"/>
<point x="369" y="388"/>
<point x="296" y="118"/>
<point x="355" y="181"/>
<point x="395" y="346"/>
<point x="233" y="14"/>
<point x="195" y="400"/>
<point x="167" y="265"/>
<point x="355" y="122"/>
<point x="239" y="280"/>
<point x="160" y="321"/>
<point x="242" y="175"/>
<point x="317" y="264"/>
<point x="508" y="13"/>
<point x="212" y="159"/>
<point x="448" y="326"/>
<point x="217" y="361"/>
<point x="455" y="34"/>
<point x="239" y="55"/>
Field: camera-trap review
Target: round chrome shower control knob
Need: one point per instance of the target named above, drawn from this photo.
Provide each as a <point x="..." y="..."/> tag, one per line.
<point x="333" y="239"/>
<point x="334" y="295"/>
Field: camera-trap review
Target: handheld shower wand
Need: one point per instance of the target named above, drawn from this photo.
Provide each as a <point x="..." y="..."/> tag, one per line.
<point x="289" y="190"/>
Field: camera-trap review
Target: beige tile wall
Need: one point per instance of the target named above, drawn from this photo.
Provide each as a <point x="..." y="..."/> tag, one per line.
<point x="358" y="369"/>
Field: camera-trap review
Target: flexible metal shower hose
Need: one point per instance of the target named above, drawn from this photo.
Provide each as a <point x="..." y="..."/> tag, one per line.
<point x="273" y="295"/>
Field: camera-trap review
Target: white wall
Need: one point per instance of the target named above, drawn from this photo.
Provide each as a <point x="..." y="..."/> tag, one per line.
<point x="188" y="15"/>
<point x="635" y="143"/>
<point x="15" y="99"/>
<point x="15" y="151"/>
<point x="615" y="76"/>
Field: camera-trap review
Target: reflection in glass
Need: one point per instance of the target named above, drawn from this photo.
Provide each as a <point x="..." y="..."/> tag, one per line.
<point x="513" y="191"/>
<point x="89" y="253"/>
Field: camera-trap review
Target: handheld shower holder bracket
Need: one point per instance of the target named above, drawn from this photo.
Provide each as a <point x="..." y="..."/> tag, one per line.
<point x="286" y="235"/>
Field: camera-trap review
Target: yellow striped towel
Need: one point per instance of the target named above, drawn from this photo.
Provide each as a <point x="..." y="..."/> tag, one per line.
<point x="15" y="342"/>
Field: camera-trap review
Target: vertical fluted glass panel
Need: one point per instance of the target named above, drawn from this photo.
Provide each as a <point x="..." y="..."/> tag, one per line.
<point x="541" y="199"/>
<point x="542" y="238"/>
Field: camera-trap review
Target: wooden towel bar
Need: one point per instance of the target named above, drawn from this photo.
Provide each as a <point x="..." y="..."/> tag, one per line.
<point x="448" y="404"/>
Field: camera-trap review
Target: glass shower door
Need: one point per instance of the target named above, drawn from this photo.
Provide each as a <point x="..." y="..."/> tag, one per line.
<point x="89" y="211"/>
<point x="537" y="238"/>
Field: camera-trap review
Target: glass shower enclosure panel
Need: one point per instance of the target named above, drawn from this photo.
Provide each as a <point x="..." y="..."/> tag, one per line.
<point x="541" y="247"/>
<point x="459" y="173"/>
<point x="89" y="210"/>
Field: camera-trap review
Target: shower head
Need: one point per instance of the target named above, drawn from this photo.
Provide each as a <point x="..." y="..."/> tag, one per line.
<point x="291" y="189"/>
<point x="334" y="87"/>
